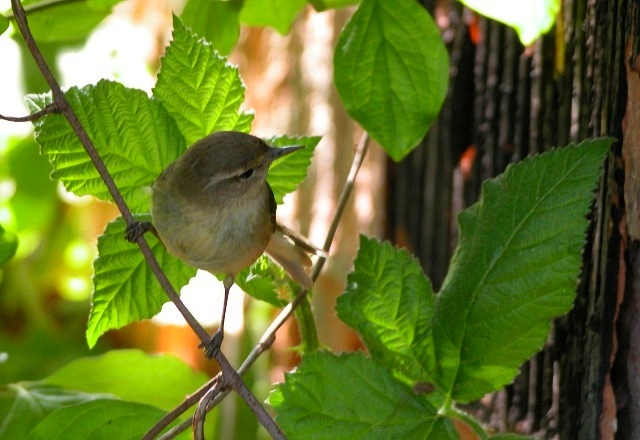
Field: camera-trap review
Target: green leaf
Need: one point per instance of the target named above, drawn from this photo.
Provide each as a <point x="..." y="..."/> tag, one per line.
<point x="278" y="14"/>
<point x="65" y="21"/>
<point x="161" y="380"/>
<point x="259" y="281"/>
<point x="516" y="268"/>
<point x="134" y="135"/>
<point x="216" y="20"/>
<point x="354" y="396"/>
<point x="323" y="5"/>
<point x="391" y="71"/>
<point x="286" y="173"/>
<point x="102" y="419"/>
<point x="199" y="88"/>
<point x="4" y="24"/>
<point x="8" y="245"/>
<point x="125" y="288"/>
<point x="32" y="402"/>
<point x="390" y="302"/>
<point x="530" y="18"/>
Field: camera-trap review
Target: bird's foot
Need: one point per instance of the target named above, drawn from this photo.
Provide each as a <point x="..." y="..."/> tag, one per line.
<point x="212" y="347"/>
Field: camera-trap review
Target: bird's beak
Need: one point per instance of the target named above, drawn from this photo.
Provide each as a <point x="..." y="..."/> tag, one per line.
<point x="276" y="153"/>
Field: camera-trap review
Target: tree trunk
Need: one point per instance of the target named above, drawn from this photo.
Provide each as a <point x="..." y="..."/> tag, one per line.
<point x="579" y="81"/>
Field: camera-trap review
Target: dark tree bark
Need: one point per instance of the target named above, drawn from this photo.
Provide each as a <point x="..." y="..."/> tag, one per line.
<point x="579" y="81"/>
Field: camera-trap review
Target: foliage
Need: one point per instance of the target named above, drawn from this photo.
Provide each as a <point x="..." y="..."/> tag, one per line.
<point x="515" y="268"/>
<point x="124" y="125"/>
<point x="391" y="70"/>
<point x="116" y="395"/>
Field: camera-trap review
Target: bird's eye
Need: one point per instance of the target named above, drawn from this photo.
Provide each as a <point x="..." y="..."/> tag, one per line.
<point x="246" y="174"/>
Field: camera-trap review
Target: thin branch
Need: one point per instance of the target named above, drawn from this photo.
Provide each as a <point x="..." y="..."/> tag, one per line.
<point x="209" y="395"/>
<point x="233" y="379"/>
<point x="269" y="335"/>
<point x="63" y="106"/>
<point x="50" y="108"/>
<point x="180" y="409"/>
<point x="197" y="421"/>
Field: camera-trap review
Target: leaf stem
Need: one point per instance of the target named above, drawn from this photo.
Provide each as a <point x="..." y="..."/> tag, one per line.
<point x="306" y="327"/>
<point x="455" y="413"/>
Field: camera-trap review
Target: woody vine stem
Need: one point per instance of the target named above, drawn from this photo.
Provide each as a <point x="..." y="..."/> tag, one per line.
<point x="229" y="378"/>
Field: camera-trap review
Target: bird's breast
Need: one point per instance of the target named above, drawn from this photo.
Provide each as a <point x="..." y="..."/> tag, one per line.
<point x="217" y="236"/>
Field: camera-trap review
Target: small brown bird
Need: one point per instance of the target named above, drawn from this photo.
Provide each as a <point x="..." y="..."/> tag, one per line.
<point x="213" y="209"/>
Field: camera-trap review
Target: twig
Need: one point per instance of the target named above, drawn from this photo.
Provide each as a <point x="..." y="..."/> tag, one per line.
<point x="233" y="379"/>
<point x="63" y="106"/>
<point x="269" y="335"/>
<point x="197" y="422"/>
<point x="210" y="395"/>
<point x="180" y="409"/>
<point x="51" y="108"/>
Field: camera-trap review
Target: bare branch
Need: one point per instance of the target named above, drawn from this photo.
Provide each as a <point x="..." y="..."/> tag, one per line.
<point x="269" y="335"/>
<point x="51" y="108"/>
<point x="197" y="421"/>
<point x="233" y="379"/>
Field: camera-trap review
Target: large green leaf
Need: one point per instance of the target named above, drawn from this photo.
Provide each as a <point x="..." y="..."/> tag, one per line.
<point x="354" y="396"/>
<point x="278" y="14"/>
<point x="102" y="419"/>
<point x="390" y="302"/>
<point x="161" y="381"/>
<point x="216" y="20"/>
<point x="31" y="402"/>
<point x="286" y="173"/>
<point x="125" y="288"/>
<point x="530" y="18"/>
<point x="134" y="135"/>
<point x="391" y="71"/>
<point x="516" y="267"/>
<point x="199" y="88"/>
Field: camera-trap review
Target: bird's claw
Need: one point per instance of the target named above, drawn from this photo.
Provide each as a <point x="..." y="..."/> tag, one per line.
<point x="212" y="347"/>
